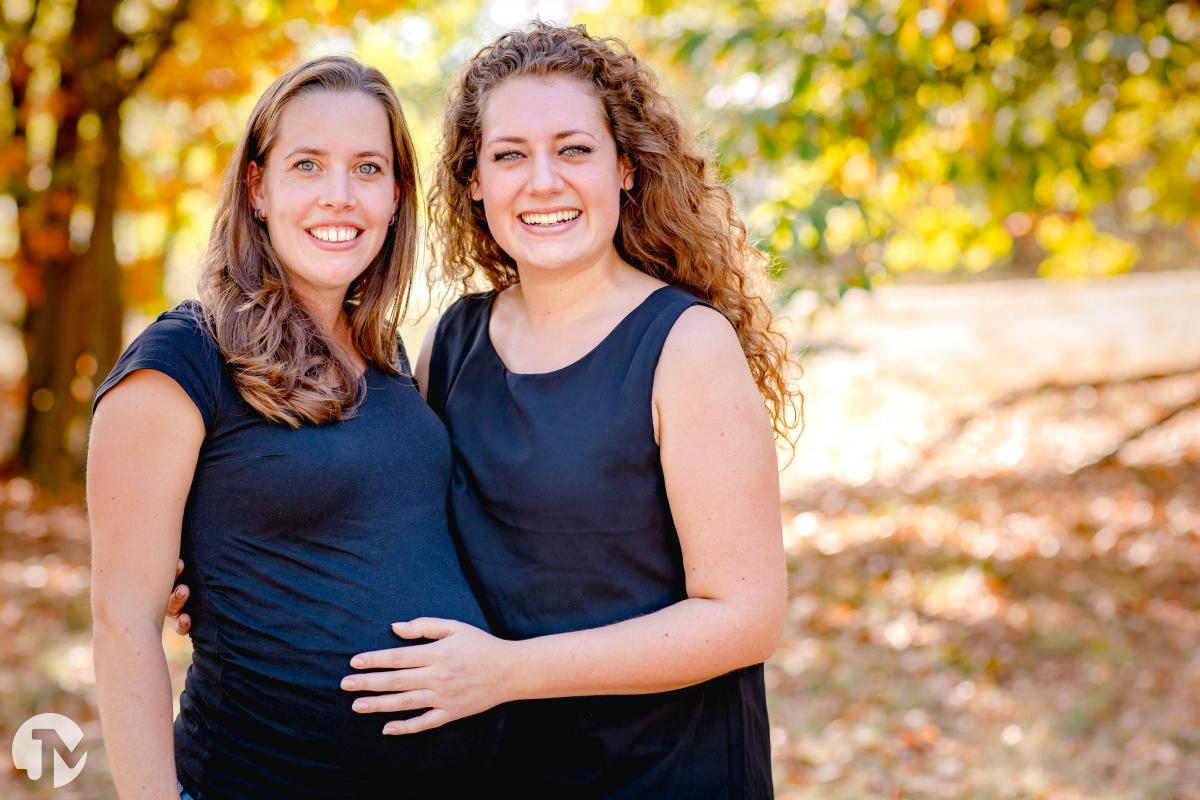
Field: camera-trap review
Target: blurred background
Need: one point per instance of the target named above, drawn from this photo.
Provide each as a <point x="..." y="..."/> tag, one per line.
<point x="985" y="216"/>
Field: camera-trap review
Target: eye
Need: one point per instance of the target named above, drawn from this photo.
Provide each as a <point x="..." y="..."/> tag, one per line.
<point x="507" y="155"/>
<point x="576" y="150"/>
<point x="369" y="168"/>
<point x="306" y="165"/>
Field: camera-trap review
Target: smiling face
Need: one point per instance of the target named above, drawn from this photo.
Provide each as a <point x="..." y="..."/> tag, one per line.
<point x="328" y="190"/>
<point x="548" y="173"/>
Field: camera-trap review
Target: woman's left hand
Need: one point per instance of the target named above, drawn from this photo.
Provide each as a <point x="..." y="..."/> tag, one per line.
<point x="464" y="671"/>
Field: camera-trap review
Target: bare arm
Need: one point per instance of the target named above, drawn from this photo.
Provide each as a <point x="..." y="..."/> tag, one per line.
<point x="421" y="368"/>
<point x="722" y="484"/>
<point x="145" y="440"/>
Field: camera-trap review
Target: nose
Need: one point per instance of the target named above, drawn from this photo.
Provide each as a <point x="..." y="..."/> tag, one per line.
<point x="545" y="178"/>
<point x="338" y="190"/>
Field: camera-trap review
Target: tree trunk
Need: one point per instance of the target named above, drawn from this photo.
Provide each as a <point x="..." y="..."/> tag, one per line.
<point x="73" y="322"/>
<point x="72" y="282"/>
<point x="73" y="336"/>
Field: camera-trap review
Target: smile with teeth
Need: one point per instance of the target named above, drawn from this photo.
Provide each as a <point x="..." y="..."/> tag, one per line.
<point x="549" y="219"/>
<point x="332" y="234"/>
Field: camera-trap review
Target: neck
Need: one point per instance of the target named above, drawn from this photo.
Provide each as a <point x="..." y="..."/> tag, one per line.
<point x="553" y="297"/>
<point x="329" y="315"/>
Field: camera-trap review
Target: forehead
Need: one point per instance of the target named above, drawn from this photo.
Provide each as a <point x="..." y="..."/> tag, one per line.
<point x="529" y="104"/>
<point x="326" y="120"/>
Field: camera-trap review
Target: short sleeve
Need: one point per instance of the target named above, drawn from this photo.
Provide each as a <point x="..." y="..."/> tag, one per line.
<point x="176" y="345"/>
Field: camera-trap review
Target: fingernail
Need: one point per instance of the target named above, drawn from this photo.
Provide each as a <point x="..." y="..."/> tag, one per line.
<point x="389" y="729"/>
<point x="348" y="684"/>
<point x="361" y="705"/>
<point x="179" y="592"/>
<point x="358" y="662"/>
<point x="397" y="626"/>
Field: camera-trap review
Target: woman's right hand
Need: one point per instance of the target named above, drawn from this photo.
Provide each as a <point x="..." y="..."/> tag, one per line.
<point x="175" y="603"/>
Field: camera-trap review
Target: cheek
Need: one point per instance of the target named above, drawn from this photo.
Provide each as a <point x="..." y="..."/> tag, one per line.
<point x="496" y="220"/>
<point x="383" y="199"/>
<point x="608" y="197"/>
<point x="604" y="184"/>
<point x="498" y="205"/>
<point x="285" y="195"/>
<point x="494" y="188"/>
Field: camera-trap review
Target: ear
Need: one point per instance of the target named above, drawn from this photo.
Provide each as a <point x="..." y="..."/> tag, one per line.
<point x="254" y="175"/>
<point x="626" y="167"/>
<point x="476" y="191"/>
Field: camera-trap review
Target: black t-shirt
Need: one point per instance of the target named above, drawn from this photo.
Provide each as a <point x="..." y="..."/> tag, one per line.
<point x="302" y="547"/>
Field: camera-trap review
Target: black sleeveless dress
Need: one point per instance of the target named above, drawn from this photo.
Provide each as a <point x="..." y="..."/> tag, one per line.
<point x="560" y="507"/>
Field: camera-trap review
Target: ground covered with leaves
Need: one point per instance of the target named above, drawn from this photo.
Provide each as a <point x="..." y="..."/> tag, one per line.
<point x="1033" y="636"/>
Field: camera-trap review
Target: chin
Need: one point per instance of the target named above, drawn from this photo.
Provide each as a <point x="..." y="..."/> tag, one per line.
<point x="552" y="262"/>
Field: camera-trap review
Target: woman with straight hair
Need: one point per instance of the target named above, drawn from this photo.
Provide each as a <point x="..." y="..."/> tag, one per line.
<point x="271" y="434"/>
<point x="610" y="400"/>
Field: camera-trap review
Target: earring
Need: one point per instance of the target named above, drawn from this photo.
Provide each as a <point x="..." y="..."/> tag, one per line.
<point x="260" y="215"/>
<point x="392" y="221"/>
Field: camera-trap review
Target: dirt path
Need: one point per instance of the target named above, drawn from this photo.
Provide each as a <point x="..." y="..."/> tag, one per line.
<point x="888" y="370"/>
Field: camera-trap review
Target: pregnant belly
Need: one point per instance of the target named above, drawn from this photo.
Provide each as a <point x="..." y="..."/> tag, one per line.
<point x="263" y="695"/>
<point x="305" y="741"/>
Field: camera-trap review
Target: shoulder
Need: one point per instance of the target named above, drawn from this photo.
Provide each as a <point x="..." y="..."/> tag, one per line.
<point x="458" y="323"/>
<point x="702" y="359"/>
<point x="704" y="389"/>
<point x="181" y="330"/>
<point x="700" y="334"/>
<point x="179" y="346"/>
<point x="446" y="342"/>
<point x="421" y="368"/>
<point x="466" y="307"/>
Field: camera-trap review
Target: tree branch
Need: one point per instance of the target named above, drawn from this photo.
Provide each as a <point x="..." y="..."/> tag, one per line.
<point x="1109" y="458"/>
<point x="165" y="36"/>
<point x="1006" y="401"/>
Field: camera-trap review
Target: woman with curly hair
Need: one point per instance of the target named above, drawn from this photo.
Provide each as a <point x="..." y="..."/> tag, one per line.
<point x="615" y="491"/>
<point x="272" y="435"/>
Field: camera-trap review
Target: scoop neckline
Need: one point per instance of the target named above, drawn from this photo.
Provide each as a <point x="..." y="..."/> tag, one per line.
<point x="491" y="346"/>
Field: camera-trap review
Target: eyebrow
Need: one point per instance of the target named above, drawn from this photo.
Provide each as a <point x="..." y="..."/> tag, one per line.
<point x="519" y="140"/>
<point x="316" y="151"/>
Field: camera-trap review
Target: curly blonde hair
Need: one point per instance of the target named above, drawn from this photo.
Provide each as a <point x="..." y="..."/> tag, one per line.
<point x="284" y="364"/>
<point x="677" y="223"/>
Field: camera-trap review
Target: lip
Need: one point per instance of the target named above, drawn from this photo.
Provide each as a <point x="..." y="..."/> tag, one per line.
<point x="546" y="230"/>
<point x="334" y="246"/>
<point x="549" y="210"/>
